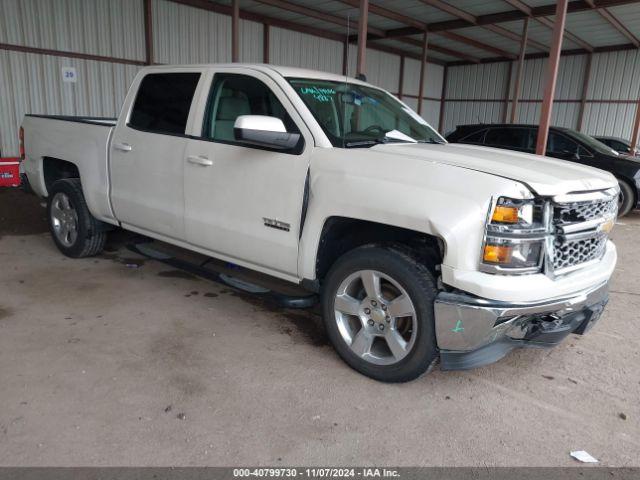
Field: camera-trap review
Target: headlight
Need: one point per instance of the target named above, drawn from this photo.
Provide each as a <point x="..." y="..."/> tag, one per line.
<point x="515" y="237"/>
<point x="510" y="215"/>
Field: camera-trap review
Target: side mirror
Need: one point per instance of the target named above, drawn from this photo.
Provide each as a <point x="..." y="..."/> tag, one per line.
<point x="264" y="131"/>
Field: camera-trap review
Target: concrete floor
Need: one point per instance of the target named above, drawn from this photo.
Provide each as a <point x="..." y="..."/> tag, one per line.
<point x="104" y="364"/>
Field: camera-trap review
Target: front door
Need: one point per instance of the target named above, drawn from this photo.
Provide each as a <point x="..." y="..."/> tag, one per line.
<point x="146" y="155"/>
<point x="563" y="147"/>
<point x="244" y="202"/>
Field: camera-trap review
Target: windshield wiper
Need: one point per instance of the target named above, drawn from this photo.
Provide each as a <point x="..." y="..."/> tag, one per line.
<point x="432" y="141"/>
<point x="362" y="143"/>
<point x="375" y="141"/>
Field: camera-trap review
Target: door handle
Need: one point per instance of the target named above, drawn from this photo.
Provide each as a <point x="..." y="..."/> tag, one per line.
<point x="123" y="147"/>
<point x="199" y="160"/>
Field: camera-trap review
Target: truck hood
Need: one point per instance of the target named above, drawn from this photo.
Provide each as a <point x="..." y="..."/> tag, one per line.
<point x="545" y="176"/>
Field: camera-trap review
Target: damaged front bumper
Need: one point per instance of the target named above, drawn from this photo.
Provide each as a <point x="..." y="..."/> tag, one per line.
<point x="472" y="332"/>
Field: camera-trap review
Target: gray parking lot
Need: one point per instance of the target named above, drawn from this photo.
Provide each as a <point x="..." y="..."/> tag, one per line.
<point x="119" y="360"/>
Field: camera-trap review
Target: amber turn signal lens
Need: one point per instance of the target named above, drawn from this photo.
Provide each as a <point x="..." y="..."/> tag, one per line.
<point x="505" y="214"/>
<point x="497" y="254"/>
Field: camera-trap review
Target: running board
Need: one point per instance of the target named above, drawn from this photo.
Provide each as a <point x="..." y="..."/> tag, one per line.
<point x="171" y="257"/>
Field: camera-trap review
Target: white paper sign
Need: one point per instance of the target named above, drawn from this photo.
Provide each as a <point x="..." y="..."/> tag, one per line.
<point x="583" y="457"/>
<point x="69" y="74"/>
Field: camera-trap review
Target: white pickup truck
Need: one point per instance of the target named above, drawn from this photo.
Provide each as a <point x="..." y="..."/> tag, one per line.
<point x="421" y="250"/>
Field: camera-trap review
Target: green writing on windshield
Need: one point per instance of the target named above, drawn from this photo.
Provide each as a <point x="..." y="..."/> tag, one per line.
<point x="318" y="93"/>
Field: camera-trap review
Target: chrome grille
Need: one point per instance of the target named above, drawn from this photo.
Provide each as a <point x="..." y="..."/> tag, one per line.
<point x="584" y="211"/>
<point x="578" y="235"/>
<point x="570" y="254"/>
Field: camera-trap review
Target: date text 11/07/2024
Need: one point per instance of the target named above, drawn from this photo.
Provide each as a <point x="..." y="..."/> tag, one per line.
<point x="316" y="472"/>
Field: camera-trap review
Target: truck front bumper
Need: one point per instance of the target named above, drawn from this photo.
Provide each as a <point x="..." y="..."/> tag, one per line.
<point x="472" y="331"/>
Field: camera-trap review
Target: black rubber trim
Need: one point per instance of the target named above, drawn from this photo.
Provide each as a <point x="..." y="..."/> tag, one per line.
<point x="69" y="118"/>
<point x="478" y="358"/>
<point x="305" y="202"/>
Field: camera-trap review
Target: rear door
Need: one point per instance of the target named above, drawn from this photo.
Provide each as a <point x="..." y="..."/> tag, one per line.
<point x="243" y="202"/>
<point x="147" y="151"/>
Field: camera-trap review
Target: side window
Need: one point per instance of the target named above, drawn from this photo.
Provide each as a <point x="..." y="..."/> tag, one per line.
<point x="619" y="146"/>
<point x="234" y="95"/>
<point x="559" y="144"/>
<point x="476" y="137"/>
<point x="163" y="102"/>
<point x="516" y="138"/>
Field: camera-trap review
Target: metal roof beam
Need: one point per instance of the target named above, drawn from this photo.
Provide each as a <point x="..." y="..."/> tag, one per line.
<point x="576" y="51"/>
<point x="515" y="37"/>
<point x="527" y="10"/>
<point x="451" y="10"/>
<point x="317" y="14"/>
<point x="476" y="44"/>
<point x="509" y="16"/>
<point x="288" y="25"/>
<point x="421" y="27"/>
<point x="439" y="49"/>
<point x="615" y="23"/>
<point x="567" y="34"/>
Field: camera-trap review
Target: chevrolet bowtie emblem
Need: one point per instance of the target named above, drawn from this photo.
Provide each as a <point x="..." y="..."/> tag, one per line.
<point x="607" y="225"/>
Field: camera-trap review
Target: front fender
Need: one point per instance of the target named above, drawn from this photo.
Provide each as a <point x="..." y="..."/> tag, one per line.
<point x="445" y="201"/>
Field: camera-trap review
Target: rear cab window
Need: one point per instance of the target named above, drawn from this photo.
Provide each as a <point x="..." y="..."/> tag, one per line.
<point x="514" y="138"/>
<point x="475" y="137"/>
<point x="163" y="102"/>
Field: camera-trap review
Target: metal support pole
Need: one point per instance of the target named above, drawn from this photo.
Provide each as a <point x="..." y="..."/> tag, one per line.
<point x="551" y="76"/>
<point x="585" y="89"/>
<point x="265" y="42"/>
<point x="519" y="71"/>
<point x="345" y="57"/>
<point x="148" y="32"/>
<point x="401" y="79"/>
<point x="362" y="37"/>
<point x="423" y="64"/>
<point x="235" y="31"/>
<point x="636" y="130"/>
<point x="443" y="99"/>
<point x="505" y="106"/>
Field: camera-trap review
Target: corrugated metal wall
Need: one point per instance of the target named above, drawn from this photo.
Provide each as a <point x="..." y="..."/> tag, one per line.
<point x="32" y="83"/>
<point x="475" y="93"/>
<point x="615" y="76"/>
<point x="295" y="49"/>
<point x="433" y="78"/>
<point x="110" y="28"/>
<point x="192" y="35"/>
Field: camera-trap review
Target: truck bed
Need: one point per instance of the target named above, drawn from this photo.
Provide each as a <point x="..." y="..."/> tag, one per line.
<point x="80" y="140"/>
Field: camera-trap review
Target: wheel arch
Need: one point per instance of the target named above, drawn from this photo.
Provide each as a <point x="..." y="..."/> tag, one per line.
<point x="54" y="169"/>
<point x="340" y="235"/>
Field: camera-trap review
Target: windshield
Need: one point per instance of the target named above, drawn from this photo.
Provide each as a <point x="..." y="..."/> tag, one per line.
<point x="359" y="116"/>
<point x="591" y="142"/>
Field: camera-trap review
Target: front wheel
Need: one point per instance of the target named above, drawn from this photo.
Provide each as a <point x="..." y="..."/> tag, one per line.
<point x="378" y="313"/>
<point x="75" y="231"/>
<point x="626" y="199"/>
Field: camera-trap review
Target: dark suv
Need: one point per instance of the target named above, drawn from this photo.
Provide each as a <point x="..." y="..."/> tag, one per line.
<point x="563" y="143"/>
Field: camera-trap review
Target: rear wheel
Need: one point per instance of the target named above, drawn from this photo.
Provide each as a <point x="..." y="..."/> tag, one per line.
<point x="378" y="313"/>
<point x="626" y="199"/>
<point x="75" y="231"/>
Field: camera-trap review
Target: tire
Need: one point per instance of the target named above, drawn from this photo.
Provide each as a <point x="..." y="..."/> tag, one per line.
<point x="627" y="198"/>
<point x="75" y="231"/>
<point x="364" y="332"/>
